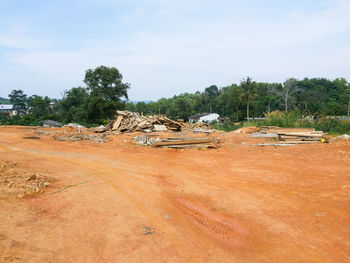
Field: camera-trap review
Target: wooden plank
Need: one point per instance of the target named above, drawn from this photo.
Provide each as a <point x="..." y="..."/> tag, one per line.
<point x="298" y="142"/>
<point x="168" y="143"/>
<point x="191" y="146"/>
<point x="117" y="123"/>
<point x="160" y="127"/>
<point x="300" y="134"/>
<point x="274" y="144"/>
<point x="299" y="138"/>
<point x="272" y="130"/>
<point x="185" y="138"/>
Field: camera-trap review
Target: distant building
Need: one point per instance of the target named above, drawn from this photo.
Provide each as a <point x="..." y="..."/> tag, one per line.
<point x="204" y="117"/>
<point x="7" y="108"/>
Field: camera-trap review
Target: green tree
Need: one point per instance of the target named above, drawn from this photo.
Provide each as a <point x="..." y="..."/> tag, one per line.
<point x="181" y="107"/>
<point x="249" y="92"/>
<point x="72" y="108"/>
<point x="39" y="106"/>
<point x="106" y="89"/>
<point x="18" y="99"/>
<point x="141" y="107"/>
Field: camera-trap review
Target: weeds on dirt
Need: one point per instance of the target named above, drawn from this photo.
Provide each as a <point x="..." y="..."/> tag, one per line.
<point x="227" y="126"/>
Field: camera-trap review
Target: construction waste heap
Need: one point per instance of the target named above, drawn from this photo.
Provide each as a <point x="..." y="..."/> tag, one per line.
<point x="128" y="121"/>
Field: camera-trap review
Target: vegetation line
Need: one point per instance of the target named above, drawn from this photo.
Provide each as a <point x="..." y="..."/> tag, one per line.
<point x="287" y="104"/>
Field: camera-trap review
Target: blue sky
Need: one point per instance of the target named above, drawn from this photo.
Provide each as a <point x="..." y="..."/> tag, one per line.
<point x="164" y="48"/>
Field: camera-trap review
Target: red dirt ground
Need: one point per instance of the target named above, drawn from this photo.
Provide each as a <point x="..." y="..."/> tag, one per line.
<point x="130" y="203"/>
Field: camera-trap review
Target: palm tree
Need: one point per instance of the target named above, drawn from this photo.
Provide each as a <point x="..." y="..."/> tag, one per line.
<point x="249" y="92"/>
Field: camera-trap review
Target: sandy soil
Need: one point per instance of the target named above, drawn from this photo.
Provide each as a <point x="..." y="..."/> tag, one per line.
<point x="121" y="202"/>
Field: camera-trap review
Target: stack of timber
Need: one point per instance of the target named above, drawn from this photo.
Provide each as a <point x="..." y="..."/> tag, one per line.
<point x="127" y="121"/>
<point x="300" y="137"/>
<point x="275" y="129"/>
<point x="293" y="135"/>
<point x="188" y="142"/>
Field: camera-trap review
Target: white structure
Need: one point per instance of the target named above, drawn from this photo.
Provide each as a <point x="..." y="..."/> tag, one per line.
<point x="204" y="117"/>
<point x="7" y="108"/>
<point x="209" y="118"/>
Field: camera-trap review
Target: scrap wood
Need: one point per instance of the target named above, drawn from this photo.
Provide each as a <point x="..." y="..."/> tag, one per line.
<point x="132" y="122"/>
<point x="158" y="127"/>
<point x="287" y="138"/>
<point x="184" y="142"/>
<point x="275" y="144"/>
<point x="117" y="122"/>
<point x="298" y="142"/>
<point x="128" y="121"/>
<point x="300" y="134"/>
<point x="184" y="138"/>
<point x="275" y="129"/>
<point x="192" y="146"/>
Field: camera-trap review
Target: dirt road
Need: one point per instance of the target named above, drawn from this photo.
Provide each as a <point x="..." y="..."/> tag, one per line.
<point x="129" y="203"/>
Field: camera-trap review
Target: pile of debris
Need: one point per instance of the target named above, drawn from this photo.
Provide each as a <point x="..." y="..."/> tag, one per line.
<point x="51" y="123"/>
<point x="292" y="135"/>
<point x="344" y="137"/>
<point x="146" y="139"/>
<point x="82" y="137"/>
<point x="179" y="142"/>
<point x="128" y="121"/>
<point x="197" y="126"/>
<point x="18" y="181"/>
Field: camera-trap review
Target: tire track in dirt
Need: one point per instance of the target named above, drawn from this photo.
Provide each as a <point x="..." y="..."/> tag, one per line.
<point x="220" y="227"/>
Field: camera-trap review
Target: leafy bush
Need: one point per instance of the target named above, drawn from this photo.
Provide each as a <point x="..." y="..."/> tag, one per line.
<point x="282" y="119"/>
<point x="226" y="126"/>
<point x="332" y="126"/>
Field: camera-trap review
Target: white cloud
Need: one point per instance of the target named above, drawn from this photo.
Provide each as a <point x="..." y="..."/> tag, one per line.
<point x="22" y="37"/>
<point x="194" y="54"/>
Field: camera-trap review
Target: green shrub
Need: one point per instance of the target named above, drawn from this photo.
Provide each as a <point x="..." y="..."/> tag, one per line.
<point x="226" y="126"/>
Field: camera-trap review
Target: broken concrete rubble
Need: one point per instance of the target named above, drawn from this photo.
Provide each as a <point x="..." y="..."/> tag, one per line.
<point x="83" y="137"/>
<point x="146" y="140"/>
<point x="51" y="123"/>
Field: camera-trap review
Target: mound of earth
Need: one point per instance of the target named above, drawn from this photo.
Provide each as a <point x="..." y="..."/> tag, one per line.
<point x="18" y="181"/>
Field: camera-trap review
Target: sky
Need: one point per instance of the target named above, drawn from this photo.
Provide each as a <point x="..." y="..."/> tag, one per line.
<point x="164" y="48"/>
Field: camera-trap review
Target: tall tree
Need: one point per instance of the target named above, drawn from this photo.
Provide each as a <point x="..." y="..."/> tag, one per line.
<point x="73" y="105"/>
<point x="249" y="92"/>
<point x="210" y="94"/>
<point x="106" y="89"/>
<point x="286" y="91"/>
<point x="18" y="99"/>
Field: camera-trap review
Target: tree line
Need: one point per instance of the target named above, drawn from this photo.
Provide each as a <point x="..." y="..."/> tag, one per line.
<point x="317" y="97"/>
<point x="104" y="92"/>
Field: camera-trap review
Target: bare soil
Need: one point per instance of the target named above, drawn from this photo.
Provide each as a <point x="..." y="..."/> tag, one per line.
<point x="121" y="202"/>
<point x="18" y="181"/>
